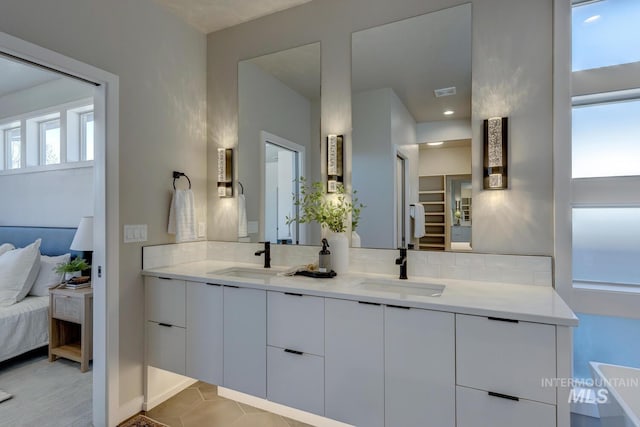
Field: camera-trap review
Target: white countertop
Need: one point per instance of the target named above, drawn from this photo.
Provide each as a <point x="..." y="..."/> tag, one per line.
<point x="520" y="302"/>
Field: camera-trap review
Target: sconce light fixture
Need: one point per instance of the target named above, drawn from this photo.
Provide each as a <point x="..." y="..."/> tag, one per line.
<point x="495" y="153"/>
<point x="225" y="172"/>
<point x="334" y="162"/>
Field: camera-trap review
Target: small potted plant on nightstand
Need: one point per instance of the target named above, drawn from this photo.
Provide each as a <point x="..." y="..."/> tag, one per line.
<point x="73" y="268"/>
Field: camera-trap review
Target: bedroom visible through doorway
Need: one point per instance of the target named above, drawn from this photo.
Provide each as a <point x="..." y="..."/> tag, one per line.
<point x="47" y="186"/>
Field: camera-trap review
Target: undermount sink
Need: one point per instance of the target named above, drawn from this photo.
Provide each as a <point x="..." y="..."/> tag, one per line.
<point x="403" y="288"/>
<point x="246" y="272"/>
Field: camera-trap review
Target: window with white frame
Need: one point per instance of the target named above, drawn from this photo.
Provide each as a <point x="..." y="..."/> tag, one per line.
<point x="86" y="135"/>
<point x="12" y="147"/>
<point x="606" y="144"/>
<point x="59" y="135"/>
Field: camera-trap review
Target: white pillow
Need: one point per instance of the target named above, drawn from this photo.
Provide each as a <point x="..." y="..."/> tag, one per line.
<point x="18" y="270"/>
<point x="47" y="277"/>
<point x="6" y="247"/>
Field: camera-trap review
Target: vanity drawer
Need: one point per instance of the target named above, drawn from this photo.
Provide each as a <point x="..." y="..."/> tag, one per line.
<point x="296" y="322"/>
<point x="506" y="356"/>
<point x="166" y="301"/>
<point x="68" y="308"/>
<point x="477" y="408"/>
<point x="166" y="346"/>
<point x="295" y="380"/>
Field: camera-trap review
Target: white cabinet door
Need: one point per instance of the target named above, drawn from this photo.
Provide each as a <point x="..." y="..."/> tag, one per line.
<point x="165" y="301"/>
<point x="166" y="347"/>
<point x="419" y="350"/>
<point x="295" y="379"/>
<point x="245" y="340"/>
<point x="506" y="356"/>
<point x="204" y="332"/>
<point x="477" y="408"/>
<point x="296" y="322"/>
<point x="354" y="362"/>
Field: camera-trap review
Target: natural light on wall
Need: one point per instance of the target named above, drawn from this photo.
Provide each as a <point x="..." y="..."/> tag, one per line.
<point x="597" y="39"/>
<point x="605" y="139"/>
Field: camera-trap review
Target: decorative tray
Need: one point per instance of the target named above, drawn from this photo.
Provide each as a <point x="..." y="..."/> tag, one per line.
<point x="317" y="274"/>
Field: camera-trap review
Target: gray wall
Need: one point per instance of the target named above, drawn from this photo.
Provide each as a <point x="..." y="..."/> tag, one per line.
<point x="512" y="75"/>
<point x="44" y="95"/>
<point x="161" y="63"/>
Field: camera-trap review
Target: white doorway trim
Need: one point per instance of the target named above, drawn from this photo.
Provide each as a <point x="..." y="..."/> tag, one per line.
<point x="106" y="219"/>
<point x="266" y="137"/>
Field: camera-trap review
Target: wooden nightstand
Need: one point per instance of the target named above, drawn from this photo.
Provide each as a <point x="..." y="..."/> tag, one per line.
<point x="71" y="325"/>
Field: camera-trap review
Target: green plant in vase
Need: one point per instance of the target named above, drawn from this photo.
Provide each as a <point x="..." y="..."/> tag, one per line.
<point x="73" y="267"/>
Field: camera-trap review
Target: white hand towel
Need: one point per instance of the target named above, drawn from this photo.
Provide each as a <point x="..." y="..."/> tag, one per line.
<point x="182" y="216"/>
<point x="418" y="220"/>
<point x="242" y="216"/>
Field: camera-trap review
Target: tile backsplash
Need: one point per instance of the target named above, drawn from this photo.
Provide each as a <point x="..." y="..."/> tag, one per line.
<point x="515" y="269"/>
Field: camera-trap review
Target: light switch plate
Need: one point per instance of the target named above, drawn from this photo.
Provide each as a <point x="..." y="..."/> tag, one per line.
<point x="202" y="229"/>
<point x="135" y="233"/>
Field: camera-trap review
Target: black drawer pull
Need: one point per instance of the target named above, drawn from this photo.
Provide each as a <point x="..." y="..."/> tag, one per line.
<point x="232" y="286"/>
<point x="368" y="303"/>
<point x="214" y="284"/>
<point x="165" y="278"/>
<point x="166" y="325"/>
<point x="399" y="306"/>
<point x="504" y="396"/>
<point x="288" y="350"/>
<point x="293" y="294"/>
<point x="501" y="319"/>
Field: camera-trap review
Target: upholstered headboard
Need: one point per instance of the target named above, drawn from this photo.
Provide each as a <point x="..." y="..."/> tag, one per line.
<point x="55" y="240"/>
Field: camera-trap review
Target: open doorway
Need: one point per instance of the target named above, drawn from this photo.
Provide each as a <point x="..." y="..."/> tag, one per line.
<point x="283" y="168"/>
<point x="49" y="141"/>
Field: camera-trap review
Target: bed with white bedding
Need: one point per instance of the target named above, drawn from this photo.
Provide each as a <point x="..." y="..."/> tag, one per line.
<point x="24" y="326"/>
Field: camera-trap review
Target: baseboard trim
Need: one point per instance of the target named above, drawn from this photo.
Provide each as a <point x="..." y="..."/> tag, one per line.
<point x="276" y="408"/>
<point x="130" y="408"/>
<point x="154" y="401"/>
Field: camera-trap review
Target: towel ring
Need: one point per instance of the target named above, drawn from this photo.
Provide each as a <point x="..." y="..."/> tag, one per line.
<point x="177" y="175"/>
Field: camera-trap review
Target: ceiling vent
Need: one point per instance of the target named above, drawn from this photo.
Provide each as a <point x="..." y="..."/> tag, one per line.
<point x="447" y="91"/>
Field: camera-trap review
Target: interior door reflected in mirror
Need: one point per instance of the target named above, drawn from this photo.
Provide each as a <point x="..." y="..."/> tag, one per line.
<point x="411" y="100"/>
<point x="278" y="140"/>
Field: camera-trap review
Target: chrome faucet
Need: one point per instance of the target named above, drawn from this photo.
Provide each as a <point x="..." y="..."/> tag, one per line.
<point x="267" y="254"/>
<point x="402" y="262"/>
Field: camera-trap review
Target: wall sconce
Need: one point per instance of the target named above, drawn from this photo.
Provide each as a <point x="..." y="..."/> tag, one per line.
<point x="334" y="162"/>
<point x="225" y="172"/>
<point x="495" y="153"/>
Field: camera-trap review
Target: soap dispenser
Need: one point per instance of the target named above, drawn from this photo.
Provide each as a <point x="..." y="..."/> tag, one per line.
<point x="324" y="260"/>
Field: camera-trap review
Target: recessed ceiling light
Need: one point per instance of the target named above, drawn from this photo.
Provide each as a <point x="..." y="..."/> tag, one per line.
<point x="448" y="112"/>
<point x="433" y="144"/>
<point x="591" y="19"/>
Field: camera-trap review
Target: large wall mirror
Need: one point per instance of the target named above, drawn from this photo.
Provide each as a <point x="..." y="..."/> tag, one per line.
<point x="278" y="141"/>
<point x="411" y="141"/>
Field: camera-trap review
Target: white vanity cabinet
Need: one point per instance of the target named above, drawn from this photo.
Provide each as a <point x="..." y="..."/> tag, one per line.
<point x="354" y="362"/>
<point x="204" y="344"/>
<point x="295" y="351"/>
<point x="501" y="364"/>
<point x="165" y="309"/>
<point x="245" y="340"/>
<point x="419" y="367"/>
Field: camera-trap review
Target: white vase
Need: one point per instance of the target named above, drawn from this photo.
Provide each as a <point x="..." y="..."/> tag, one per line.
<point x="355" y="240"/>
<point x="69" y="276"/>
<point x="339" y="247"/>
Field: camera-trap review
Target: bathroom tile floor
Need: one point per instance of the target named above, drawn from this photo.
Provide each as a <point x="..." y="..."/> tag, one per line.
<point x="200" y="406"/>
